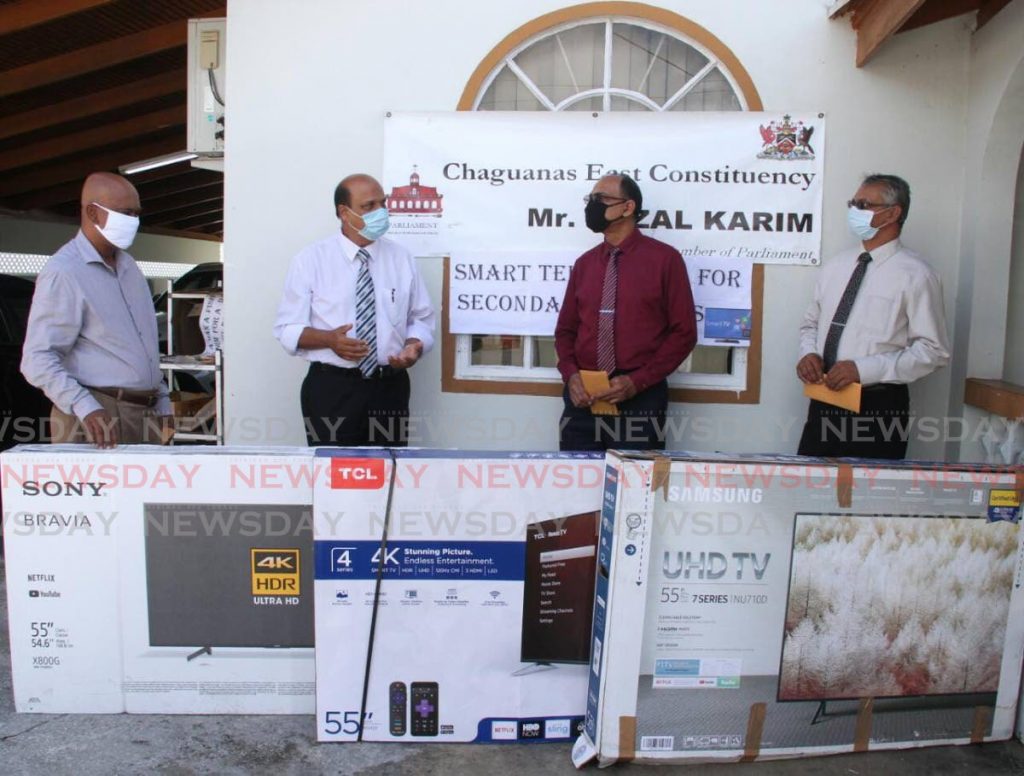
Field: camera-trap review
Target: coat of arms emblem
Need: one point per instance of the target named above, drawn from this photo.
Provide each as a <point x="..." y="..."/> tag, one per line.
<point x="786" y="140"/>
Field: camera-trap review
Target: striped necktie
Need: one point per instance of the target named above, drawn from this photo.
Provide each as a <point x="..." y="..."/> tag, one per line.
<point x="835" y="331"/>
<point x="606" y="315"/>
<point x="366" y="324"/>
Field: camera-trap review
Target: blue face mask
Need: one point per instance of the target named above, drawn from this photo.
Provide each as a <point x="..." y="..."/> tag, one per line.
<point x="860" y="223"/>
<point x="375" y="224"/>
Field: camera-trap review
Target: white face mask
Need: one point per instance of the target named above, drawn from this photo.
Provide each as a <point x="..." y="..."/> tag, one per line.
<point x="120" y="229"/>
<point x="860" y="223"/>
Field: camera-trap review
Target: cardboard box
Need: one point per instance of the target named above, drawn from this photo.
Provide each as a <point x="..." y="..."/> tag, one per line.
<point x="482" y="628"/>
<point x="160" y="580"/>
<point x="790" y="608"/>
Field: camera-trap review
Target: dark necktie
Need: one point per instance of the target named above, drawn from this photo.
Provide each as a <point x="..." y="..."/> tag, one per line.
<point x="606" y="315"/>
<point x="835" y="331"/>
<point x="366" y="323"/>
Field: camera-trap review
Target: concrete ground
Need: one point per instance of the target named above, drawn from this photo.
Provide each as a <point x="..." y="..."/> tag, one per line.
<point x="82" y="745"/>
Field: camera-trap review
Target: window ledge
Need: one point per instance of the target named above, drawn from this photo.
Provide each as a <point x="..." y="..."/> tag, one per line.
<point x="997" y="397"/>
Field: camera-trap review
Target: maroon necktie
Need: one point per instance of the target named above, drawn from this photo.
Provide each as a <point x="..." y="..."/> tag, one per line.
<point x="606" y="315"/>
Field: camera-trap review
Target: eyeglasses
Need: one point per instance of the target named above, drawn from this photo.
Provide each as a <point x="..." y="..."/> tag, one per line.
<point x="603" y="199"/>
<point x="863" y="204"/>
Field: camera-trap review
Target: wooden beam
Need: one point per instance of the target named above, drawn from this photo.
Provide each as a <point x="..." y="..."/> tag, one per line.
<point x="95" y="103"/>
<point x="937" y="11"/>
<point x="51" y="175"/>
<point x="155" y="205"/>
<point x="92" y="58"/>
<point x="26" y="14"/>
<point x="997" y="397"/>
<point x="185" y="212"/>
<point x="96" y="137"/>
<point x="158" y="191"/>
<point x="199" y="221"/>
<point x="988" y="9"/>
<point x="878" y="21"/>
<point x="50" y="197"/>
<point x="841" y="8"/>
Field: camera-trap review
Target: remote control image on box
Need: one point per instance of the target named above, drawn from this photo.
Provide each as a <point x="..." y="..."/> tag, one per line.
<point x="397" y="704"/>
<point x="424" y="708"/>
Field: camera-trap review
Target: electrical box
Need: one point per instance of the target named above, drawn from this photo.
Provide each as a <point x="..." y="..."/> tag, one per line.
<point x="207" y="88"/>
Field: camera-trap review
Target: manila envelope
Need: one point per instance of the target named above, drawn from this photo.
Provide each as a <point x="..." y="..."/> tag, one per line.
<point x="848" y="398"/>
<point x="597" y="382"/>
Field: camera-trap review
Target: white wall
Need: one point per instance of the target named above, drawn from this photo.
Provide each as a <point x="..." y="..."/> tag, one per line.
<point x="309" y="90"/>
<point x="22" y="235"/>
<point x="995" y="136"/>
<point x="1013" y="359"/>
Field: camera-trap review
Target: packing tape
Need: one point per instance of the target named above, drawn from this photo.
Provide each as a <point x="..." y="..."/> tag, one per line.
<point x="627" y="739"/>
<point x="844" y="485"/>
<point x="660" y="475"/>
<point x="862" y="732"/>
<point x="755" y="727"/>
<point x="982" y="718"/>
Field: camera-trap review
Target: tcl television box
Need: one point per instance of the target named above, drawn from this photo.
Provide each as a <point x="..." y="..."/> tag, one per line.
<point x="480" y="630"/>
<point x="769" y="607"/>
<point x="160" y="580"/>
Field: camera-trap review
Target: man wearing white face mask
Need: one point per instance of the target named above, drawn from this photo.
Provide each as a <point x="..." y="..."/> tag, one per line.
<point x="91" y="344"/>
<point x="877" y="318"/>
<point x="355" y="307"/>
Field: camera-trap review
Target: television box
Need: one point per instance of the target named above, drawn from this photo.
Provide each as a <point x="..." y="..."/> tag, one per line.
<point x="483" y="619"/>
<point x="160" y="580"/>
<point x="770" y="607"/>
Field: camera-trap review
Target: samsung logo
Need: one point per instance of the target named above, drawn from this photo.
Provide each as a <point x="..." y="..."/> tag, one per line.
<point x="716" y="495"/>
<point x="54" y="488"/>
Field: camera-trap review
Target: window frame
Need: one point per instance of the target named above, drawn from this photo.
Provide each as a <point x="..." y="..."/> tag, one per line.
<point x="458" y="374"/>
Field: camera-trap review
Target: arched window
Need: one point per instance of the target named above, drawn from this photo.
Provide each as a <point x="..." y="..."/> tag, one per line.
<point x="607" y="57"/>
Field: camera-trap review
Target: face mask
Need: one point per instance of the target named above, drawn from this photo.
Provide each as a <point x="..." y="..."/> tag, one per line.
<point x="375" y="224"/>
<point x="120" y="229"/>
<point x="860" y="223"/>
<point x="595" y="215"/>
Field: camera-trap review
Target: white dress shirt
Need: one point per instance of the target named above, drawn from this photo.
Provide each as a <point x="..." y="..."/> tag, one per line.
<point x="91" y="325"/>
<point x="320" y="292"/>
<point x="896" y="332"/>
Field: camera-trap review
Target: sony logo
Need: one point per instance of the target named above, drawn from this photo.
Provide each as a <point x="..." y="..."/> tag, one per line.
<point x="54" y="488"/>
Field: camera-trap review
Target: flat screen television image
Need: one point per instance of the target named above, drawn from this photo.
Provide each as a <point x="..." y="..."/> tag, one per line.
<point x="229" y="575"/>
<point x="558" y="589"/>
<point x="727" y="324"/>
<point x="891" y="606"/>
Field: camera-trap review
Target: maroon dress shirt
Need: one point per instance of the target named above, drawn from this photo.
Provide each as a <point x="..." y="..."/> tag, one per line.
<point x="655" y="321"/>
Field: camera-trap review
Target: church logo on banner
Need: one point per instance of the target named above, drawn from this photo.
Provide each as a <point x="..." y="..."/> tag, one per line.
<point x="785" y="140"/>
<point x="415" y="209"/>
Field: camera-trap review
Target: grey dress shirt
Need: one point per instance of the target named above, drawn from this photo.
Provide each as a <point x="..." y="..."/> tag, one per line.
<point x="91" y="325"/>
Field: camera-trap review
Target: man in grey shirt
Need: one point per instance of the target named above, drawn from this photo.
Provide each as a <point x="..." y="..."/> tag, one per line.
<point x="91" y="344"/>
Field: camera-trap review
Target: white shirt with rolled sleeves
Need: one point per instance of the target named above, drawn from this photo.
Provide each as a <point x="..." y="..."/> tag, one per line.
<point x="320" y="292"/>
<point x="896" y="332"/>
<point x="90" y="325"/>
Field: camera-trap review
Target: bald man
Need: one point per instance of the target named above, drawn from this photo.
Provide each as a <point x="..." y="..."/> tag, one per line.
<point x="355" y="307"/>
<point x="91" y="344"/>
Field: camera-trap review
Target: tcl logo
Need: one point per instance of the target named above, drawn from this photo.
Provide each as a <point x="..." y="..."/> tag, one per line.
<point x="357" y="473"/>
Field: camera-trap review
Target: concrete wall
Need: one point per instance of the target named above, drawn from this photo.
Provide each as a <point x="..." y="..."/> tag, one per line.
<point x="20" y="235"/>
<point x="301" y="122"/>
<point x="1013" y="358"/>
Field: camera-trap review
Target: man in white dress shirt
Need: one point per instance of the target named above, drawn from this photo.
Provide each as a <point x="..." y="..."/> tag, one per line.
<point x="91" y="342"/>
<point x="356" y="308"/>
<point x="877" y="318"/>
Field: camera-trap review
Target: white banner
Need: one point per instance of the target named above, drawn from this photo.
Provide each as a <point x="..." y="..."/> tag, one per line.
<point x="738" y="185"/>
<point x="521" y="293"/>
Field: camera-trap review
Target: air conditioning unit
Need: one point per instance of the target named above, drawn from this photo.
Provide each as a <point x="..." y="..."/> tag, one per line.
<point x="207" y="76"/>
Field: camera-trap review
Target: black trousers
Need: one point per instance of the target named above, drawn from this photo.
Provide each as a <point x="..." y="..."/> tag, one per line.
<point x="640" y="424"/>
<point x="880" y="430"/>
<point x="342" y="408"/>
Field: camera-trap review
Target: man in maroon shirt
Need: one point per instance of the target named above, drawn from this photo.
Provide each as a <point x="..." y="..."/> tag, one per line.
<point x="634" y="319"/>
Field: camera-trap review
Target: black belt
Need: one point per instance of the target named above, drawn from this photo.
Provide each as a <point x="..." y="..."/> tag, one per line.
<point x="385" y="372"/>
<point x="880" y="387"/>
<point x="140" y="398"/>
